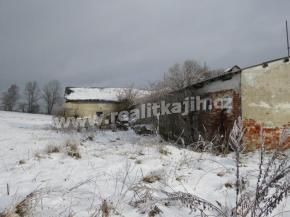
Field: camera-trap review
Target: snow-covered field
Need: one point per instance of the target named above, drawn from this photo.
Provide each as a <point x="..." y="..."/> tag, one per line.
<point x="112" y="166"/>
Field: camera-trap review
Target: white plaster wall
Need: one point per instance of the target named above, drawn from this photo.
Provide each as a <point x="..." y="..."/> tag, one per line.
<point x="266" y="94"/>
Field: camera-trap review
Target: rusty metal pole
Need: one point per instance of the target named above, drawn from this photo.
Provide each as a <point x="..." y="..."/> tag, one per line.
<point x="288" y="48"/>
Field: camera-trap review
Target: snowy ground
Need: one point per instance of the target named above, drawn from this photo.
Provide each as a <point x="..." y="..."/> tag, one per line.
<point x="110" y="168"/>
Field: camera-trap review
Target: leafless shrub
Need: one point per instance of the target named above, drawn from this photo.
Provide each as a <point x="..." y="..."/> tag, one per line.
<point x="72" y="149"/>
<point x="146" y="201"/>
<point x="105" y="209"/>
<point x="198" y="145"/>
<point x="143" y="198"/>
<point x="24" y="208"/>
<point x="213" y="144"/>
<point x="235" y="142"/>
<point x="192" y="202"/>
<point x="155" y="211"/>
<point x="273" y="185"/>
<point x="187" y="160"/>
<point x="124" y="181"/>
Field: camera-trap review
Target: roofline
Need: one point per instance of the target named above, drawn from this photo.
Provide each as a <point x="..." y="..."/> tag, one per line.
<point x="91" y="101"/>
<point x="106" y="87"/>
<point x="269" y="61"/>
<point x="218" y="77"/>
<point x="93" y="87"/>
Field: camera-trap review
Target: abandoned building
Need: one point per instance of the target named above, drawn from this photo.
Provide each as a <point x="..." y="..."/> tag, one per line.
<point x="87" y="102"/>
<point x="259" y="94"/>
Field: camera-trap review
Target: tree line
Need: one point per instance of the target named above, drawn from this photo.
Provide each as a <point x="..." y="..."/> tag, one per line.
<point x="31" y="97"/>
<point x="182" y="75"/>
<point x="178" y="76"/>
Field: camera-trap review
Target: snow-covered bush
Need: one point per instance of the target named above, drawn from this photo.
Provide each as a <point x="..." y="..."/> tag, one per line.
<point x="272" y="186"/>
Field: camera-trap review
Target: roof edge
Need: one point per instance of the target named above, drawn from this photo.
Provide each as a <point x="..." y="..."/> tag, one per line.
<point x="269" y="61"/>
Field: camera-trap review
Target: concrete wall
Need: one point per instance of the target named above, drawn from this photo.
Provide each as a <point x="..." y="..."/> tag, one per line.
<point x="266" y="101"/>
<point x="86" y="109"/>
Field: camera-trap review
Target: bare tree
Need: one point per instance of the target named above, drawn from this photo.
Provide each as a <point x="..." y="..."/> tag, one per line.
<point x="194" y="71"/>
<point x="10" y="98"/>
<point x="174" y="78"/>
<point x="22" y="106"/>
<point x="32" y="96"/>
<point x="127" y="97"/>
<point x="182" y="75"/>
<point x="51" y="93"/>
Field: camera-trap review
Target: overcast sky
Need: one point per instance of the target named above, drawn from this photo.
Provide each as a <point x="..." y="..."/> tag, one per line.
<point x="116" y="42"/>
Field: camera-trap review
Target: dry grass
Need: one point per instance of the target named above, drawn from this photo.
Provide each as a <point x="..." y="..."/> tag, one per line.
<point x="154" y="212"/>
<point x="72" y="149"/>
<point x="52" y="149"/>
<point x="105" y="210"/>
<point x="9" y="213"/>
<point x="179" y="178"/>
<point x="163" y="150"/>
<point x="24" y="208"/>
<point x="151" y="178"/>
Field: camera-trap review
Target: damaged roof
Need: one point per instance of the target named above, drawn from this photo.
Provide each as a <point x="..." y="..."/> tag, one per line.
<point x="225" y="75"/>
<point x="104" y="94"/>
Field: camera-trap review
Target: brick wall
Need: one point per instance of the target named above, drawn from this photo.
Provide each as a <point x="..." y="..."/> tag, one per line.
<point x="271" y="135"/>
<point x="265" y="102"/>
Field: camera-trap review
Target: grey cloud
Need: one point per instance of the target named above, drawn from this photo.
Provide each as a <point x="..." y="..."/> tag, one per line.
<point x="114" y="43"/>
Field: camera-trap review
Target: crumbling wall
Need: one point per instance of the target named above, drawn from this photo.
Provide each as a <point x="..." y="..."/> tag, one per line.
<point x="88" y="109"/>
<point x="266" y="102"/>
<point x="209" y="122"/>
